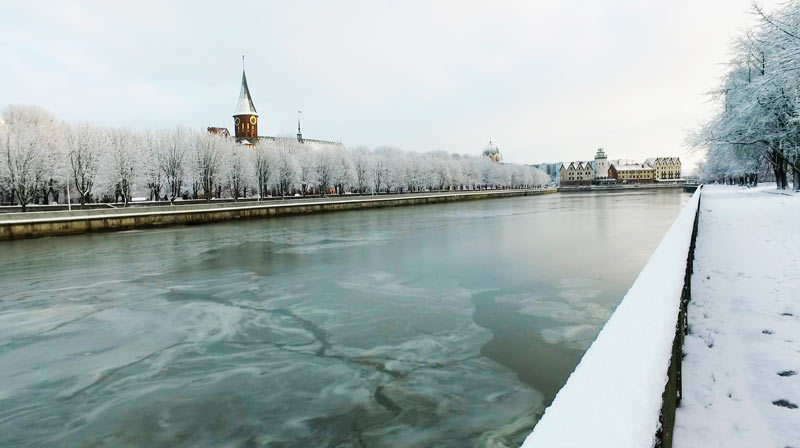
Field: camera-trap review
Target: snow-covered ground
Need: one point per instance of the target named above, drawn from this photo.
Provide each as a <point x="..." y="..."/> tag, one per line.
<point x="741" y="372"/>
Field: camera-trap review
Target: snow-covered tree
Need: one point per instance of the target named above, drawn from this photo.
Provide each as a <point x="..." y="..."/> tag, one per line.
<point x="307" y="168"/>
<point x="379" y="169"/>
<point x="362" y="167"/>
<point x="120" y="163"/>
<point x="285" y="167"/>
<point x="38" y="155"/>
<point x="83" y="144"/>
<point x="27" y="138"/>
<point x="758" y="120"/>
<point x="237" y="158"/>
<point x="344" y="176"/>
<point x="264" y="161"/>
<point x="172" y="154"/>
<point x="326" y="170"/>
<point x="205" y="162"/>
<point x="150" y="169"/>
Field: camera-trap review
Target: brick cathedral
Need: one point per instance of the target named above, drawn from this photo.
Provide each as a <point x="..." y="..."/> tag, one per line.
<point x="245" y="122"/>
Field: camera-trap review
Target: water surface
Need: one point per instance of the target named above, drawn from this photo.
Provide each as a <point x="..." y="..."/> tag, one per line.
<point x="442" y="325"/>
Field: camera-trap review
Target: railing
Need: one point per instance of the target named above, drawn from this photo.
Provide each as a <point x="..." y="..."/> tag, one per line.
<point x="625" y="390"/>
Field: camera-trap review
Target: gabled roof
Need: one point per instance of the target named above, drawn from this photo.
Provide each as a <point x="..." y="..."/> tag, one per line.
<point x="245" y="105"/>
<point x="659" y="160"/>
<point x="579" y="165"/>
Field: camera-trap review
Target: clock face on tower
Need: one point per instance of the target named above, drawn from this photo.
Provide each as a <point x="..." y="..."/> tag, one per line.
<point x="252" y="120"/>
<point x="237" y="121"/>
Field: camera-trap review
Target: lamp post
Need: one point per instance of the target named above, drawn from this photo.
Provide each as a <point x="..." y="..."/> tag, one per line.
<point x="69" y="200"/>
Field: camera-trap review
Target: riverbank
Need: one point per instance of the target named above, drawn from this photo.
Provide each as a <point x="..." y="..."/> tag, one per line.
<point x="56" y="223"/>
<point x="627" y="187"/>
<point x="740" y="373"/>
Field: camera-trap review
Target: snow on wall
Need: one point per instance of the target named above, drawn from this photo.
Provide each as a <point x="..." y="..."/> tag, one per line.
<point x="613" y="398"/>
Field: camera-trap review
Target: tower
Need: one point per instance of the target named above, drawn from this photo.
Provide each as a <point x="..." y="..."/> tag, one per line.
<point x="600" y="164"/>
<point x="492" y="152"/>
<point x="299" y="133"/>
<point x="245" y="118"/>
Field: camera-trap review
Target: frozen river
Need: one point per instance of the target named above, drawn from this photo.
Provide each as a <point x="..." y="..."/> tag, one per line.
<point x="443" y="325"/>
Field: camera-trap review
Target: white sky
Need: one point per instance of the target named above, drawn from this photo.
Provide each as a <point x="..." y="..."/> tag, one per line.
<point x="547" y="81"/>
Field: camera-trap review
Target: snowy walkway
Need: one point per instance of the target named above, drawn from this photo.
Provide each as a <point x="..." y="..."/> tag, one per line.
<point x="741" y="372"/>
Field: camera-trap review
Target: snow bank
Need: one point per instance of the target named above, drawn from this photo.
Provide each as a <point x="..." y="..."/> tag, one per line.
<point x="613" y="398"/>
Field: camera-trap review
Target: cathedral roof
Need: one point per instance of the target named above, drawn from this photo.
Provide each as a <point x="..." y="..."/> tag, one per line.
<point x="245" y="105"/>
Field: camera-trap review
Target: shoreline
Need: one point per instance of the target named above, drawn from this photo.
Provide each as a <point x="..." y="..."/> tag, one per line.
<point x="41" y="224"/>
<point x="634" y="187"/>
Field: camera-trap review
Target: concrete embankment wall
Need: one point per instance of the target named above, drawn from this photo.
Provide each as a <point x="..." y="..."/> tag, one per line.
<point x="624" y="391"/>
<point x="39" y="224"/>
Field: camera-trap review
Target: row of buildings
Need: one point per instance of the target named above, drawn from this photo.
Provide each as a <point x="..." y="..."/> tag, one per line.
<point x="602" y="171"/>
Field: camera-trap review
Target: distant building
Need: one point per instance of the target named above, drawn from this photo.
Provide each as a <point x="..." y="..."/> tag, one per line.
<point x="245" y="123"/>
<point x="245" y="117"/>
<point x="219" y="131"/>
<point x="603" y="171"/>
<point x="577" y="173"/>
<point x="632" y="174"/>
<point x="666" y="168"/>
<point x="601" y="164"/>
<point x="492" y="152"/>
<point x="551" y="169"/>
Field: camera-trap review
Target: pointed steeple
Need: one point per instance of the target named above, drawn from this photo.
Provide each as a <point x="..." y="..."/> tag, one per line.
<point x="299" y="133"/>
<point x="245" y="105"/>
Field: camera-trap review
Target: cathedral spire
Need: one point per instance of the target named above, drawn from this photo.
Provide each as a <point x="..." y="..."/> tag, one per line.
<point x="245" y="117"/>
<point x="245" y="105"/>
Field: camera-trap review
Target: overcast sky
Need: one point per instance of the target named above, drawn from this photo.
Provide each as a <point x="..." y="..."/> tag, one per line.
<point x="546" y="81"/>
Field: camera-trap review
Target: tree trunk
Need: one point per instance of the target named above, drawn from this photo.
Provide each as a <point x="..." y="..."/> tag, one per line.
<point x="784" y="183"/>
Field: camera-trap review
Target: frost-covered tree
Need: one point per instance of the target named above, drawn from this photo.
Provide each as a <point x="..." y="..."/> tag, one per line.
<point x="286" y="167"/>
<point x="398" y="163"/>
<point x="150" y="170"/>
<point x="344" y="173"/>
<point x="205" y="162"/>
<point x="37" y="155"/>
<point x="27" y="139"/>
<point x="326" y="171"/>
<point x="758" y="120"/>
<point x="264" y="161"/>
<point x="307" y="168"/>
<point x="362" y="167"/>
<point x="120" y="163"/>
<point x="172" y="154"/>
<point x="83" y="144"/>
<point x="237" y="158"/>
<point x="379" y="169"/>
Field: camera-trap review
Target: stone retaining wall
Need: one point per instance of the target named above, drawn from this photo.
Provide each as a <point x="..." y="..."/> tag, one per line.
<point x="34" y="225"/>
